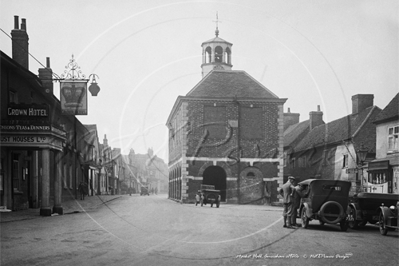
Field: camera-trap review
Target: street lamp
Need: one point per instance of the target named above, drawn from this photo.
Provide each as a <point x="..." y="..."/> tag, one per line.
<point x="362" y="154"/>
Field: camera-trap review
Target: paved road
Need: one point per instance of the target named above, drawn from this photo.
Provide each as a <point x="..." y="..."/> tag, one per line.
<point x="152" y="230"/>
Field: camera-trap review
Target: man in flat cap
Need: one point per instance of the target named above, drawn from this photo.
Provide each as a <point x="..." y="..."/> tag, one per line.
<point x="286" y="192"/>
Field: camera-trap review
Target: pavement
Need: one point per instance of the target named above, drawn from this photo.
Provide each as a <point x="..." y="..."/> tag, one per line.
<point x="90" y="203"/>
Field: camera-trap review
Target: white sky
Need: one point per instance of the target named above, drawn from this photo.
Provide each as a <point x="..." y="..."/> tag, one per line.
<point x="147" y="53"/>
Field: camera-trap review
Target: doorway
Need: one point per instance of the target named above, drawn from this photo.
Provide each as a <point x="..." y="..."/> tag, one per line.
<point x="216" y="176"/>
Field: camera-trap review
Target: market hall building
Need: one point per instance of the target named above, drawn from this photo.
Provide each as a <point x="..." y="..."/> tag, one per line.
<point x="42" y="151"/>
<point x="227" y="132"/>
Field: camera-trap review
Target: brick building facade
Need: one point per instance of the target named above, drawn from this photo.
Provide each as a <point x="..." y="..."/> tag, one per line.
<point x="227" y="132"/>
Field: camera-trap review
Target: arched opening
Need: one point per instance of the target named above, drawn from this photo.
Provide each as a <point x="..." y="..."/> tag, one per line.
<point x="219" y="54"/>
<point x="208" y="55"/>
<point x="227" y="56"/>
<point x="216" y="176"/>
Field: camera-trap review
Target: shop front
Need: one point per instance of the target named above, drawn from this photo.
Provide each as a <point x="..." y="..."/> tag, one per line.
<point x="381" y="178"/>
<point x="31" y="159"/>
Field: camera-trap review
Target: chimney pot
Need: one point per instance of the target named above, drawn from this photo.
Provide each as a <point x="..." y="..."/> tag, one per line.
<point x="20" y="43"/>
<point x="16" y="23"/>
<point x="318" y="108"/>
<point x="23" y="24"/>
<point x="48" y="62"/>
<point x="289" y="111"/>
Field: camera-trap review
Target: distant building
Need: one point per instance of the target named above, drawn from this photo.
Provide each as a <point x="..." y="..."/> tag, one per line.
<point x="147" y="170"/>
<point x="383" y="172"/>
<point x="227" y="132"/>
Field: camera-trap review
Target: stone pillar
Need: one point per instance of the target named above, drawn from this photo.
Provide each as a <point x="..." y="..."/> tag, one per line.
<point x="45" y="209"/>
<point x="35" y="183"/>
<point x="58" y="184"/>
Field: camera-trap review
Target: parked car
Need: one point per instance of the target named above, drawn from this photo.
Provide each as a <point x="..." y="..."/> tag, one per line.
<point x="210" y="195"/>
<point x="144" y="191"/>
<point x="326" y="201"/>
<point x="388" y="218"/>
<point x="366" y="207"/>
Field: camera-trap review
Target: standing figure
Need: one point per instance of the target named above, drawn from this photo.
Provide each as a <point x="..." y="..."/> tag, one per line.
<point x="286" y="192"/>
<point x="82" y="190"/>
<point x="197" y="198"/>
<point x="297" y="194"/>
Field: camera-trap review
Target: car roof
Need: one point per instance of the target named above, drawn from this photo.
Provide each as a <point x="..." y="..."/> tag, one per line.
<point x="309" y="181"/>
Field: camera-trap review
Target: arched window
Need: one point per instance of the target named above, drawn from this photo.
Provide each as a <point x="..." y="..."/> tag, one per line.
<point x="227" y="56"/>
<point x="218" y="54"/>
<point x="208" y="55"/>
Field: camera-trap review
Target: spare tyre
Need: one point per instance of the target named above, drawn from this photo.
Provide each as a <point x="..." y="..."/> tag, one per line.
<point x="331" y="212"/>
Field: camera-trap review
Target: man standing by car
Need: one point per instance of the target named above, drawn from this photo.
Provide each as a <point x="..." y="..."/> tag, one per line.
<point x="286" y="192"/>
<point x="297" y="194"/>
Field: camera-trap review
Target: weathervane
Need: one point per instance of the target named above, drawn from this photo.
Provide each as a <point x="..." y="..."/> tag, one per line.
<point x="217" y="21"/>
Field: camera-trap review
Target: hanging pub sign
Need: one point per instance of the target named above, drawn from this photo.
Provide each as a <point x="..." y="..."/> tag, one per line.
<point x="73" y="97"/>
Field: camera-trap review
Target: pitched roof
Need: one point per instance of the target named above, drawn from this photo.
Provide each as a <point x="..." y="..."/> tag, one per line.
<point x="338" y="130"/>
<point x="230" y="83"/>
<point x="293" y="132"/>
<point x="216" y="39"/>
<point x="91" y="136"/>
<point x="390" y="112"/>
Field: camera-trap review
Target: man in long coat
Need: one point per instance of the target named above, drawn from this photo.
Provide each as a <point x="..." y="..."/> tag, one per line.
<point x="286" y="192"/>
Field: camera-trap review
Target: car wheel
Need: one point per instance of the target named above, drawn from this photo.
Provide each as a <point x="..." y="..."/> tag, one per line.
<point x="383" y="228"/>
<point x="217" y="205"/>
<point x="344" y="225"/>
<point x="211" y="205"/>
<point x="305" y="219"/>
<point x="352" y="223"/>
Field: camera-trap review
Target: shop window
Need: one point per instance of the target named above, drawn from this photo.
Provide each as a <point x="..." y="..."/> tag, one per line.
<point x="393" y="135"/>
<point x="381" y="182"/>
<point x="15" y="172"/>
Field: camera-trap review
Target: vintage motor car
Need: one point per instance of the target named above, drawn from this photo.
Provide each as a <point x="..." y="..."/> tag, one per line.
<point x="388" y="218"/>
<point x="324" y="200"/>
<point x="366" y="207"/>
<point x="210" y="195"/>
<point x="144" y="191"/>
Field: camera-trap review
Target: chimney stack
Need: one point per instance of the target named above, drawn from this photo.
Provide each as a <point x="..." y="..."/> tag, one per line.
<point x="290" y="119"/>
<point x="46" y="76"/>
<point x="361" y="101"/>
<point x="315" y="118"/>
<point x="20" y="43"/>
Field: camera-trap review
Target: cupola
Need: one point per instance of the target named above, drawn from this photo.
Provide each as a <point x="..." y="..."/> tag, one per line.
<point x="216" y="54"/>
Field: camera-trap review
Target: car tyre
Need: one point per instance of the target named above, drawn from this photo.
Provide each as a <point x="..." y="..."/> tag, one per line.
<point x="305" y="219"/>
<point x="352" y="223"/>
<point x="383" y="228"/>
